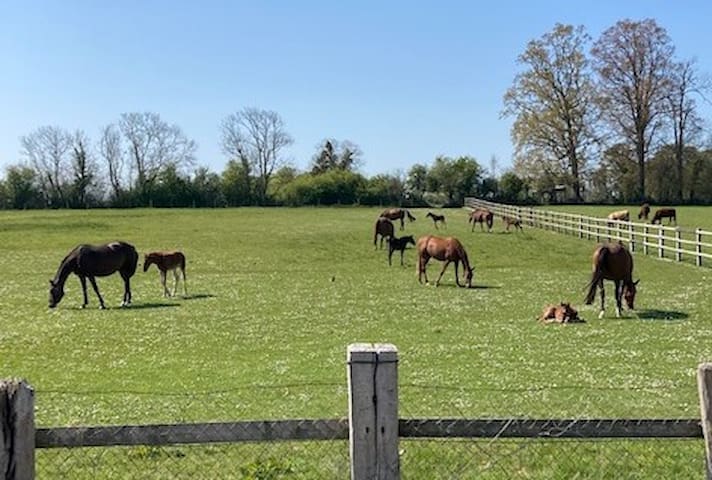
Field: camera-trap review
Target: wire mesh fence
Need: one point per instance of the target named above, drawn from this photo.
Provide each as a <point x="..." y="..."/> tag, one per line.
<point x="578" y="447"/>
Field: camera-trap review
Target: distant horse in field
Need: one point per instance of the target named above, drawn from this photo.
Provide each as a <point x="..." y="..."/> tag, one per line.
<point x="482" y="216"/>
<point x="448" y="250"/>
<point x="644" y="211"/>
<point x="562" y="313"/>
<point x="437" y="219"/>
<point x="511" y="221"/>
<point x="622" y="215"/>
<point x="399" y="244"/>
<point x="167" y="262"/>
<point x="89" y="261"/>
<point x="661" y="213"/>
<point x="612" y="261"/>
<point x="398" y="214"/>
<point x="384" y="228"/>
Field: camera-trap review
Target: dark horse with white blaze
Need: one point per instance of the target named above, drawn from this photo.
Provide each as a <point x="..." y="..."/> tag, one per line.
<point x="398" y="214"/>
<point x="89" y="261"/>
<point x="612" y="261"/>
<point x="448" y="250"/>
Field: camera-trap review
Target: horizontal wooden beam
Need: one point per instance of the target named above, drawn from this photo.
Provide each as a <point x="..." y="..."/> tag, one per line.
<point x="551" y="428"/>
<point x="260" y="431"/>
<point x="338" y="429"/>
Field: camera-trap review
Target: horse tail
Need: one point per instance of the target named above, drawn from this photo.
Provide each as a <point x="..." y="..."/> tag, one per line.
<point x="490" y="220"/>
<point x="597" y="275"/>
<point x="132" y="259"/>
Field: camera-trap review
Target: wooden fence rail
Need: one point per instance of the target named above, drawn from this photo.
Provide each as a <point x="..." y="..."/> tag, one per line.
<point x="374" y="449"/>
<point x="665" y="241"/>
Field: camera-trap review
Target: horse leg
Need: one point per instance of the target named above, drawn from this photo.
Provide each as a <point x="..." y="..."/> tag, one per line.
<point x="185" y="285"/>
<point x="437" y="282"/>
<point x="83" y="281"/>
<point x="390" y="253"/>
<point x="457" y="276"/>
<point x="402" y="252"/>
<point x="127" y="290"/>
<point x="422" y="264"/>
<point x="166" y="293"/>
<point x="603" y="298"/>
<point x="96" y="290"/>
<point x="402" y="219"/>
<point x="619" y="297"/>
<point x="175" y="281"/>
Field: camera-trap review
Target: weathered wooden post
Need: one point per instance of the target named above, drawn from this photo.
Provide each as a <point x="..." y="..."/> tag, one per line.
<point x="645" y="240"/>
<point x="373" y="411"/>
<point x="631" y="237"/>
<point x="698" y="247"/>
<point x="678" y="245"/>
<point x="661" y="242"/>
<point x="17" y="430"/>
<point x="704" y="388"/>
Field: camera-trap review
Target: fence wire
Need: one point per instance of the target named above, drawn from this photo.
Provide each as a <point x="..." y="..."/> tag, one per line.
<point x="421" y="456"/>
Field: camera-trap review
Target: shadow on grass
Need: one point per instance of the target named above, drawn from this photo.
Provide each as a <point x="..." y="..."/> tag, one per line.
<point x="195" y="296"/>
<point x="140" y="306"/>
<point x="661" y="315"/>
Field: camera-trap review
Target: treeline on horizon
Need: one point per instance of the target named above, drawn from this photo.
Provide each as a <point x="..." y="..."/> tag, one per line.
<point x="614" y="120"/>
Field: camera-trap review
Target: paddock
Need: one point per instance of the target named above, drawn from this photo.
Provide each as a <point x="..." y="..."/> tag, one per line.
<point x="267" y="326"/>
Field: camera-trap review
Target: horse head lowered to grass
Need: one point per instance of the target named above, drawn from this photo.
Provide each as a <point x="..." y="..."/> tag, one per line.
<point x="89" y="261"/>
<point x="448" y="250"/>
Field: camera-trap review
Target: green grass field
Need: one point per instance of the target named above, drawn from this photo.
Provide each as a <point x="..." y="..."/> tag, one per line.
<point x="276" y="295"/>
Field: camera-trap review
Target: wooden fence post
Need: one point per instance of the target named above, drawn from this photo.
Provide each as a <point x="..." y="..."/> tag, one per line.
<point x="678" y="245"/>
<point x="704" y="388"/>
<point x="373" y="411"/>
<point x="645" y="240"/>
<point x="661" y="242"/>
<point x="631" y="237"/>
<point x="17" y="431"/>
<point x="698" y="247"/>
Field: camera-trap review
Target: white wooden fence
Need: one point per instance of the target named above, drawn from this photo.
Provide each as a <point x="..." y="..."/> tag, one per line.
<point x="666" y="241"/>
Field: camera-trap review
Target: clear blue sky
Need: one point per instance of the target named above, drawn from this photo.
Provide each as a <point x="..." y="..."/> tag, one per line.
<point x="406" y="81"/>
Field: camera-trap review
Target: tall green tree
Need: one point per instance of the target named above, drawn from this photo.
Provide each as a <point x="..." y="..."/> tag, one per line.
<point x="454" y="178"/>
<point x="552" y="102"/>
<point x="633" y="60"/>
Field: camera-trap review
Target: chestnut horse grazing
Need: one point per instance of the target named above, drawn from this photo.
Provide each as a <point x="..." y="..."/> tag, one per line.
<point x="644" y="211"/>
<point x="482" y="216"/>
<point x="384" y="228"/>
<point x="167" y="261"/>
<point x="448" y="250"/>
<point x="89" y="261"/>
<point x="398" y="214"/>
<point x="621" y="215"/>
<point x="661" y="213"/>
<point x="436" y="219"/>
<point x="612" y="261"/>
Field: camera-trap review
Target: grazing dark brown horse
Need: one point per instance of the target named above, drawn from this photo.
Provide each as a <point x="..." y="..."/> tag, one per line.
<point x="89" y="261"/>
<point x="482" y="216"/>
<point x="167" y="261"/>
<point x="448" y="250"/>
<point x="437" y="219"/>
<point x="612" y="261"/>
<point x="398" y="214"/>
<point x="384" y="228"/>
<point x="661" y="213"/>
<point x="399" y="244"/>
<point x="509" y="221"/>
<point x="644" y="211"/>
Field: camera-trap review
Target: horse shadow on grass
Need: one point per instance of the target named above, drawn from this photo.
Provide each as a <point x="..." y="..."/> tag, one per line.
<point x="664" y="315"/>
<point x="196" y="296"/>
